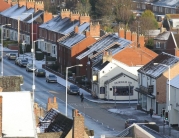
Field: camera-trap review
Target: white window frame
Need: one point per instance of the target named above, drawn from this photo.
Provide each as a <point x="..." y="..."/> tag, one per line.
<point x="158" y="45"/>
<point x="143" y="6"/>
<point x="160" y="9"/>
<point x="166" y="10"/>
<point x="154" y="8"/>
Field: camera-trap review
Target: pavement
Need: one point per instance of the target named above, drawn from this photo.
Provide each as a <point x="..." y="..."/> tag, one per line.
<point x="122" y="108"/>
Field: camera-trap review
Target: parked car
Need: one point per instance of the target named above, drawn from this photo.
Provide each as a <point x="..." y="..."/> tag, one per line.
<point x="73" y="89"/>
<point x="23" y="62"/>
<point x="11" y="56"/>
<point x="29" y="67"/>
<point x="16" y="62"/>
<point x="0" y="57"/>
<point x="40" y="72"/>
<point x="51" y="78"/>
<point x="129" y="122"/>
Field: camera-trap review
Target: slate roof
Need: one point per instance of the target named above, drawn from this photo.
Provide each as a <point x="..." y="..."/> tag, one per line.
<point x="103" y="43"/>
<point x="35" y="16"/>
<point x="54" y="121"/>
<point x="21" y="13"/>
<point x="59" y="25"/>
<point x="156" y="70"/>
<point x="175" y="82"/>
<point x="166" y="3"/>
<point x="101" y="65"/>
<point x="163" y="36"/>
<point x="72" y="39"/>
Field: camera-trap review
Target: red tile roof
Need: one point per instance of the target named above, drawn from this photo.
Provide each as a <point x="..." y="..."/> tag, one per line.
<point x="4" y="5"/>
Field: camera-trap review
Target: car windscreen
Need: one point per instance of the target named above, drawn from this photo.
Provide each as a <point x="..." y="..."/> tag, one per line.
<point x="24" y="60"/>
<point x="41" y="70"/>
<point x="74" y="87"/>
<point x="13" y="54"/>
<point x="52" y="76"/>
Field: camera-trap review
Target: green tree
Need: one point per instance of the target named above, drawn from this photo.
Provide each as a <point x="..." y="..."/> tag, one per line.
<point x="83" y="6"/>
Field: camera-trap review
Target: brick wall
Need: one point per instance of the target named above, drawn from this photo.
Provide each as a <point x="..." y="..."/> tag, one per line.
<point x="177" y="52"/>
<point x="78" y="125"/>
<point x="47" y="16"/>
<point x="161" y="83"/>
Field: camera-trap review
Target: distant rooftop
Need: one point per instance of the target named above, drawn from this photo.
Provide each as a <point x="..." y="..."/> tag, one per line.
<point x="175" y="82"/>
<point x="156" y="70"/>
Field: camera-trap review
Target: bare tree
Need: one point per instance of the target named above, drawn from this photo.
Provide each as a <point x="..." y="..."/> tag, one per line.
<point x="83" y="6"/>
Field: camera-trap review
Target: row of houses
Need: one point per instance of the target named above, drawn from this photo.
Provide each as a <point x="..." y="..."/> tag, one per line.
<point x="118" y="65"/>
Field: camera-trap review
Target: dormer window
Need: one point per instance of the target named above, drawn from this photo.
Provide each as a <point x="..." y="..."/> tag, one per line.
<point x="157" y="44"/>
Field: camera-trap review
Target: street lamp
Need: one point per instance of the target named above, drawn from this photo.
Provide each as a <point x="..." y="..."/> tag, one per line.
<point x="2" y="47"/>
<point x="33" y="66"/>
<point x="23" y="47"/>
<point x="67" y="81"/>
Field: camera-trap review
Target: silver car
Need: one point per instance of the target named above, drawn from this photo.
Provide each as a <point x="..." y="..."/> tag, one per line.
<point x="51" y="78"/>
<point x="11" y="56"/>
<point x="29" y="67"/>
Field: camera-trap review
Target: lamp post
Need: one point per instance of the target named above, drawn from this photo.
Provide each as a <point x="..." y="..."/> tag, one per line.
<point x="33" y="53"/>
<point x="2" y="47"/>
<point x="169" y="106"/>
<point x="67" y="81"/>
<point x="23" y="47"/>
<point x="33" y="64"/>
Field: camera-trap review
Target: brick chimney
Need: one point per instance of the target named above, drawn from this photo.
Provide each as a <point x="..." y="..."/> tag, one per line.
<point x="1" y="116"/>
<point x="47" y="16"/>
<point x="30" y="4"/>
<point x="107" y="56"/>
<point x="52" y="104"/>
<point x="38" y="111"/>
<point x="22" y="3"/>
<point x="134" y="36"/>
<point x="87" y="33"/>
<point x="76" y="29"/>
<point x="65" y="13"/>
<point x="128" y="35"/>
<point x="78" y="125"/>
<point x="95" y="29"/>
<point x="177" y="52"/>
<point x="121" y="33"/>
<point x="141" y="41"/>
<point x="75" y="16"/>
<point x="39" y="5"/>
<point x="84" y="18"/>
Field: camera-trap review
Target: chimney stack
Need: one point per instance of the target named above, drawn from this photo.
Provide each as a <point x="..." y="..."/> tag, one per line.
<point x="39" y="5"/>
<point x="65" y="13"/>
<point x="107" y="56"/>
<point x="78" y="125"/>
<point x="76" y="29"/>
<point x="121" y="33"/>
<point x="128" y="35"/>
<point x="134" y="36"/>
<point x="87" y="33"/>
<point x="141" y="41"/>
<point x="95" y="29"/>
<point x="47" y="16"/>
<point x="177" y="52"/>
<point x="84" y="18"/>
<point x="75" y="16"/>
<point x="52" y="104"/>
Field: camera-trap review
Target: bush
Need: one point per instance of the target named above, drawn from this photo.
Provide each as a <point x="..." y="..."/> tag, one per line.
<point x="49" y="58"/>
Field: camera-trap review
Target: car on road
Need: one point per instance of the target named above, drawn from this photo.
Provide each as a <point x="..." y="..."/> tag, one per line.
<point x="129" y="122"/>
<point x="23" y="62"/>
<point x="73" y="89"/>
<point x="11" y="56"/>
<point x="51" y="78"/>
<point x="40" y="72"/>
<point x="16" y="62"/>
<point x="29" y="67"/>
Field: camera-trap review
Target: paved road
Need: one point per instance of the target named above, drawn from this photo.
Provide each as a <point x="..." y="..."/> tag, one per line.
<point x="96" y="117"/>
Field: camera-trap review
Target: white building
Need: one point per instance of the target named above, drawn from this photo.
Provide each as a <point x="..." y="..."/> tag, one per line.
<point x="17" y="115"/>
<point x="173" y="110"/>
<point x="113" y="81"/>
